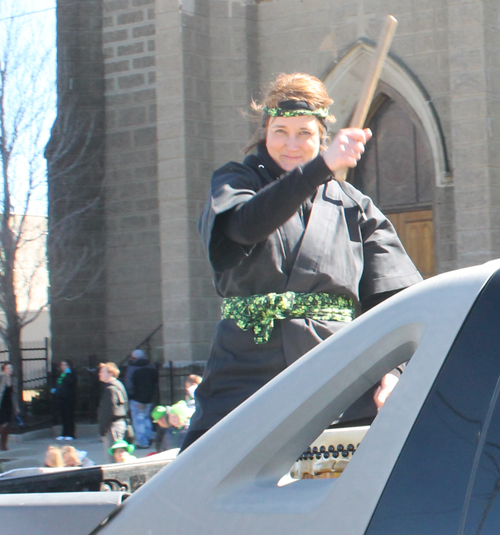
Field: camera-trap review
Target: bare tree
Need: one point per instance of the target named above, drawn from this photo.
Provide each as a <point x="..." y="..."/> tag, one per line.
<point x="26" y="114"/>
<point x="71" y="237"/>
<point x="76" y="198"/>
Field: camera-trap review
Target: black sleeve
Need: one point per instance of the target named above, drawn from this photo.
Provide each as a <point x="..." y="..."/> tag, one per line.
<point x="387" y="266"/>
<point x="105" y="411"/>
<point x="374" y="300"/>
<point x="254" y="220"/>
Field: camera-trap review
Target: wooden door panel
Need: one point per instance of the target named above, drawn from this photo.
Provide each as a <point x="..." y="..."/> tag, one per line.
<point x="416" y="231"/>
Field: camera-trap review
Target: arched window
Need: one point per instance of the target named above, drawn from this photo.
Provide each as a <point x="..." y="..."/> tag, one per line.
<point x="397" y="172"/>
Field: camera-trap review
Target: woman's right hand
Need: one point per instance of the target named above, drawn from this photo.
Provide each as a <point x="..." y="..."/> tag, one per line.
<point x="346" y="148"/>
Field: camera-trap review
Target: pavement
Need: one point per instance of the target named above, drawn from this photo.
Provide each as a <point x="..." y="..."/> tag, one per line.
<point x="28" y="449"/>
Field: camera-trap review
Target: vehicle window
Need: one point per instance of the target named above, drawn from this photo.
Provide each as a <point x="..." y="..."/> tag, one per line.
<point x="429" y="485"/>
<point x="482" y="514"/>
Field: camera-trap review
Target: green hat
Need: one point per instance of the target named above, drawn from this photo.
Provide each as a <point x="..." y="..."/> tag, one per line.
<point x="121" y="444"/>
<point x="182" y="410"/>
<point x="158" y="412"/>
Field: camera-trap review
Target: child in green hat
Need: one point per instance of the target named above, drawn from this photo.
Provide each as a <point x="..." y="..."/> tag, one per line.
<point x="121" y="450"/>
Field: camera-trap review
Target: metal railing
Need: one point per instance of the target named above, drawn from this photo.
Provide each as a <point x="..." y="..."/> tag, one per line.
<point x="172" y="377"/>
<point x="39" y="377"/>
<point x="37" y="407"/>
<point x="35" y="359"/>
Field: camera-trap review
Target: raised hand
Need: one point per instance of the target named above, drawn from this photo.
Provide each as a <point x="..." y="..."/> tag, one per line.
<point x="346" y="148"/>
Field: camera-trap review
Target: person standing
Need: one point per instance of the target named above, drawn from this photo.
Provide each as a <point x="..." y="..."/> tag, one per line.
<point x="113" y="407"/>
<point x="141" y="382"/>
<point x="190" y="386"/>
<point x="65" y="398"/>
<point x="8" y="402"/>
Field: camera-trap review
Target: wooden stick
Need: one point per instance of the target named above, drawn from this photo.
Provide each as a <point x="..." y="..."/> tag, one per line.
<point x="371" y="81"/>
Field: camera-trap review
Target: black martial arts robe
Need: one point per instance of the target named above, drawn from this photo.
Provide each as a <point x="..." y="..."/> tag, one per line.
<point x="334" y="241"/>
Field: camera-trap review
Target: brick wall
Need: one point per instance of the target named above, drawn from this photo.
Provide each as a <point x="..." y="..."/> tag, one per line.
<point x="474" y="50"/>
<point x="179" y="74"/>
<point x="75" y="156"/>
<point x="133" y="279"/>
<point x="421" y="41"/>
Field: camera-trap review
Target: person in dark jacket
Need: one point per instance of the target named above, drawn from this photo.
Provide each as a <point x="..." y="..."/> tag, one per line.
<point x="113" y="407"/>
<point x="65" y="399"/>
<point x="141" y="382"/>
<point x="295" y="253"/>
<point x="8" y="402"/>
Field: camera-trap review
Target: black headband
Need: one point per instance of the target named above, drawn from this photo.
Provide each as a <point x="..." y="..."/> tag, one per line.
<point x="294" y="108"/>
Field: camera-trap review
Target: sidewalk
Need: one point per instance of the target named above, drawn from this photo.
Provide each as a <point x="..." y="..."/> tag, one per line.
<point x="29" y="449"/>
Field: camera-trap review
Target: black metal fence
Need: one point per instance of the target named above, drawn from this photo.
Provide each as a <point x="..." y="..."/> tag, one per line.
<point x="39" y="376"/>
<point x="172" y="377"/>
<point x="35" y="358"/>
<point x="37" y="408"/>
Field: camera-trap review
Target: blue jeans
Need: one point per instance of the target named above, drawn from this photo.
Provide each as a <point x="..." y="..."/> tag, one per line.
<point x="141" y="420"/>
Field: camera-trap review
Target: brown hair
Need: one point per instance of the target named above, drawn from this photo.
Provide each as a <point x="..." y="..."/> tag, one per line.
<point x="71" y="453"/>
<point x="193" y="379"/>
<point x="53" y="457"/>
<point x="295" y="86"/>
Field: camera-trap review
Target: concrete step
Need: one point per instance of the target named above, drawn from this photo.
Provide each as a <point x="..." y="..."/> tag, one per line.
<point x="31" y="435"/>
<point x="20" y="451"/>
<point x="11" y="463"/>
<point x="20" y="457"/>
<point x="82" y="431"/>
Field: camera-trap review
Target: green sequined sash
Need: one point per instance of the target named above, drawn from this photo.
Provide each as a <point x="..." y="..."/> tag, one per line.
<point x="259" y="311"/>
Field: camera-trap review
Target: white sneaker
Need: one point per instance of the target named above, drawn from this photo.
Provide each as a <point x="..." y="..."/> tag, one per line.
<point x="60" y="438"/>
<point x="69" y="438"/>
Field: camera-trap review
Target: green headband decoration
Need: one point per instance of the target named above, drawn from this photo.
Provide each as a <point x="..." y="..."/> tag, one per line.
<point x="294" y="108"/>
<point x="322" y="113"/>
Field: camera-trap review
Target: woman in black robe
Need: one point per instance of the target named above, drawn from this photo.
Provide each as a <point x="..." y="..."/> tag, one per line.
<point x="295" y="253"/>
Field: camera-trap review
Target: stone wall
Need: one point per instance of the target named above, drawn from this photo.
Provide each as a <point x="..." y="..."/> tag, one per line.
<point x="133" y="279"/>
<point x="474" y="44"/>
<point x="75" y="156"/>
<point x="203" y="82"/>
<point x="179" y="74"/>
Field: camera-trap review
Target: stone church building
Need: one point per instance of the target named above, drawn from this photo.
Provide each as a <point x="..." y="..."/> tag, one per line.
<point x="152" y="99"/>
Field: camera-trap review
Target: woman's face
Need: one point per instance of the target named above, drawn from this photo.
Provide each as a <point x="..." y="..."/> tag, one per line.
<point x="293" y="141"/>
<point x="8" y="369"/>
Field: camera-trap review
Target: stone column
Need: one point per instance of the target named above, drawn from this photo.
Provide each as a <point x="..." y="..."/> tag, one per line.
<point x="202" y="85"/>
<point x="474" y="48"/>
<point x="133" y="276"/>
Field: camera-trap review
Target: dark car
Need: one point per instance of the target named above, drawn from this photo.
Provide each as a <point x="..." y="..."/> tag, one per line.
<point x="429" y="463"/>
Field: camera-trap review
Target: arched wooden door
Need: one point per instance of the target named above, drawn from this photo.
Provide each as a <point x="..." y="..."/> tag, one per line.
<point x="397" y="172"/>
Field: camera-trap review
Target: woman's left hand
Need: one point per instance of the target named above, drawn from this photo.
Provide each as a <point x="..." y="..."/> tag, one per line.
<point x="387" y="385"/>
<point x="346" y="148"/>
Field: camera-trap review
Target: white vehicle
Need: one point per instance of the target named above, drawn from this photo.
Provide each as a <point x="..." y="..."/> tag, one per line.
<point x="429" y="463"/>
